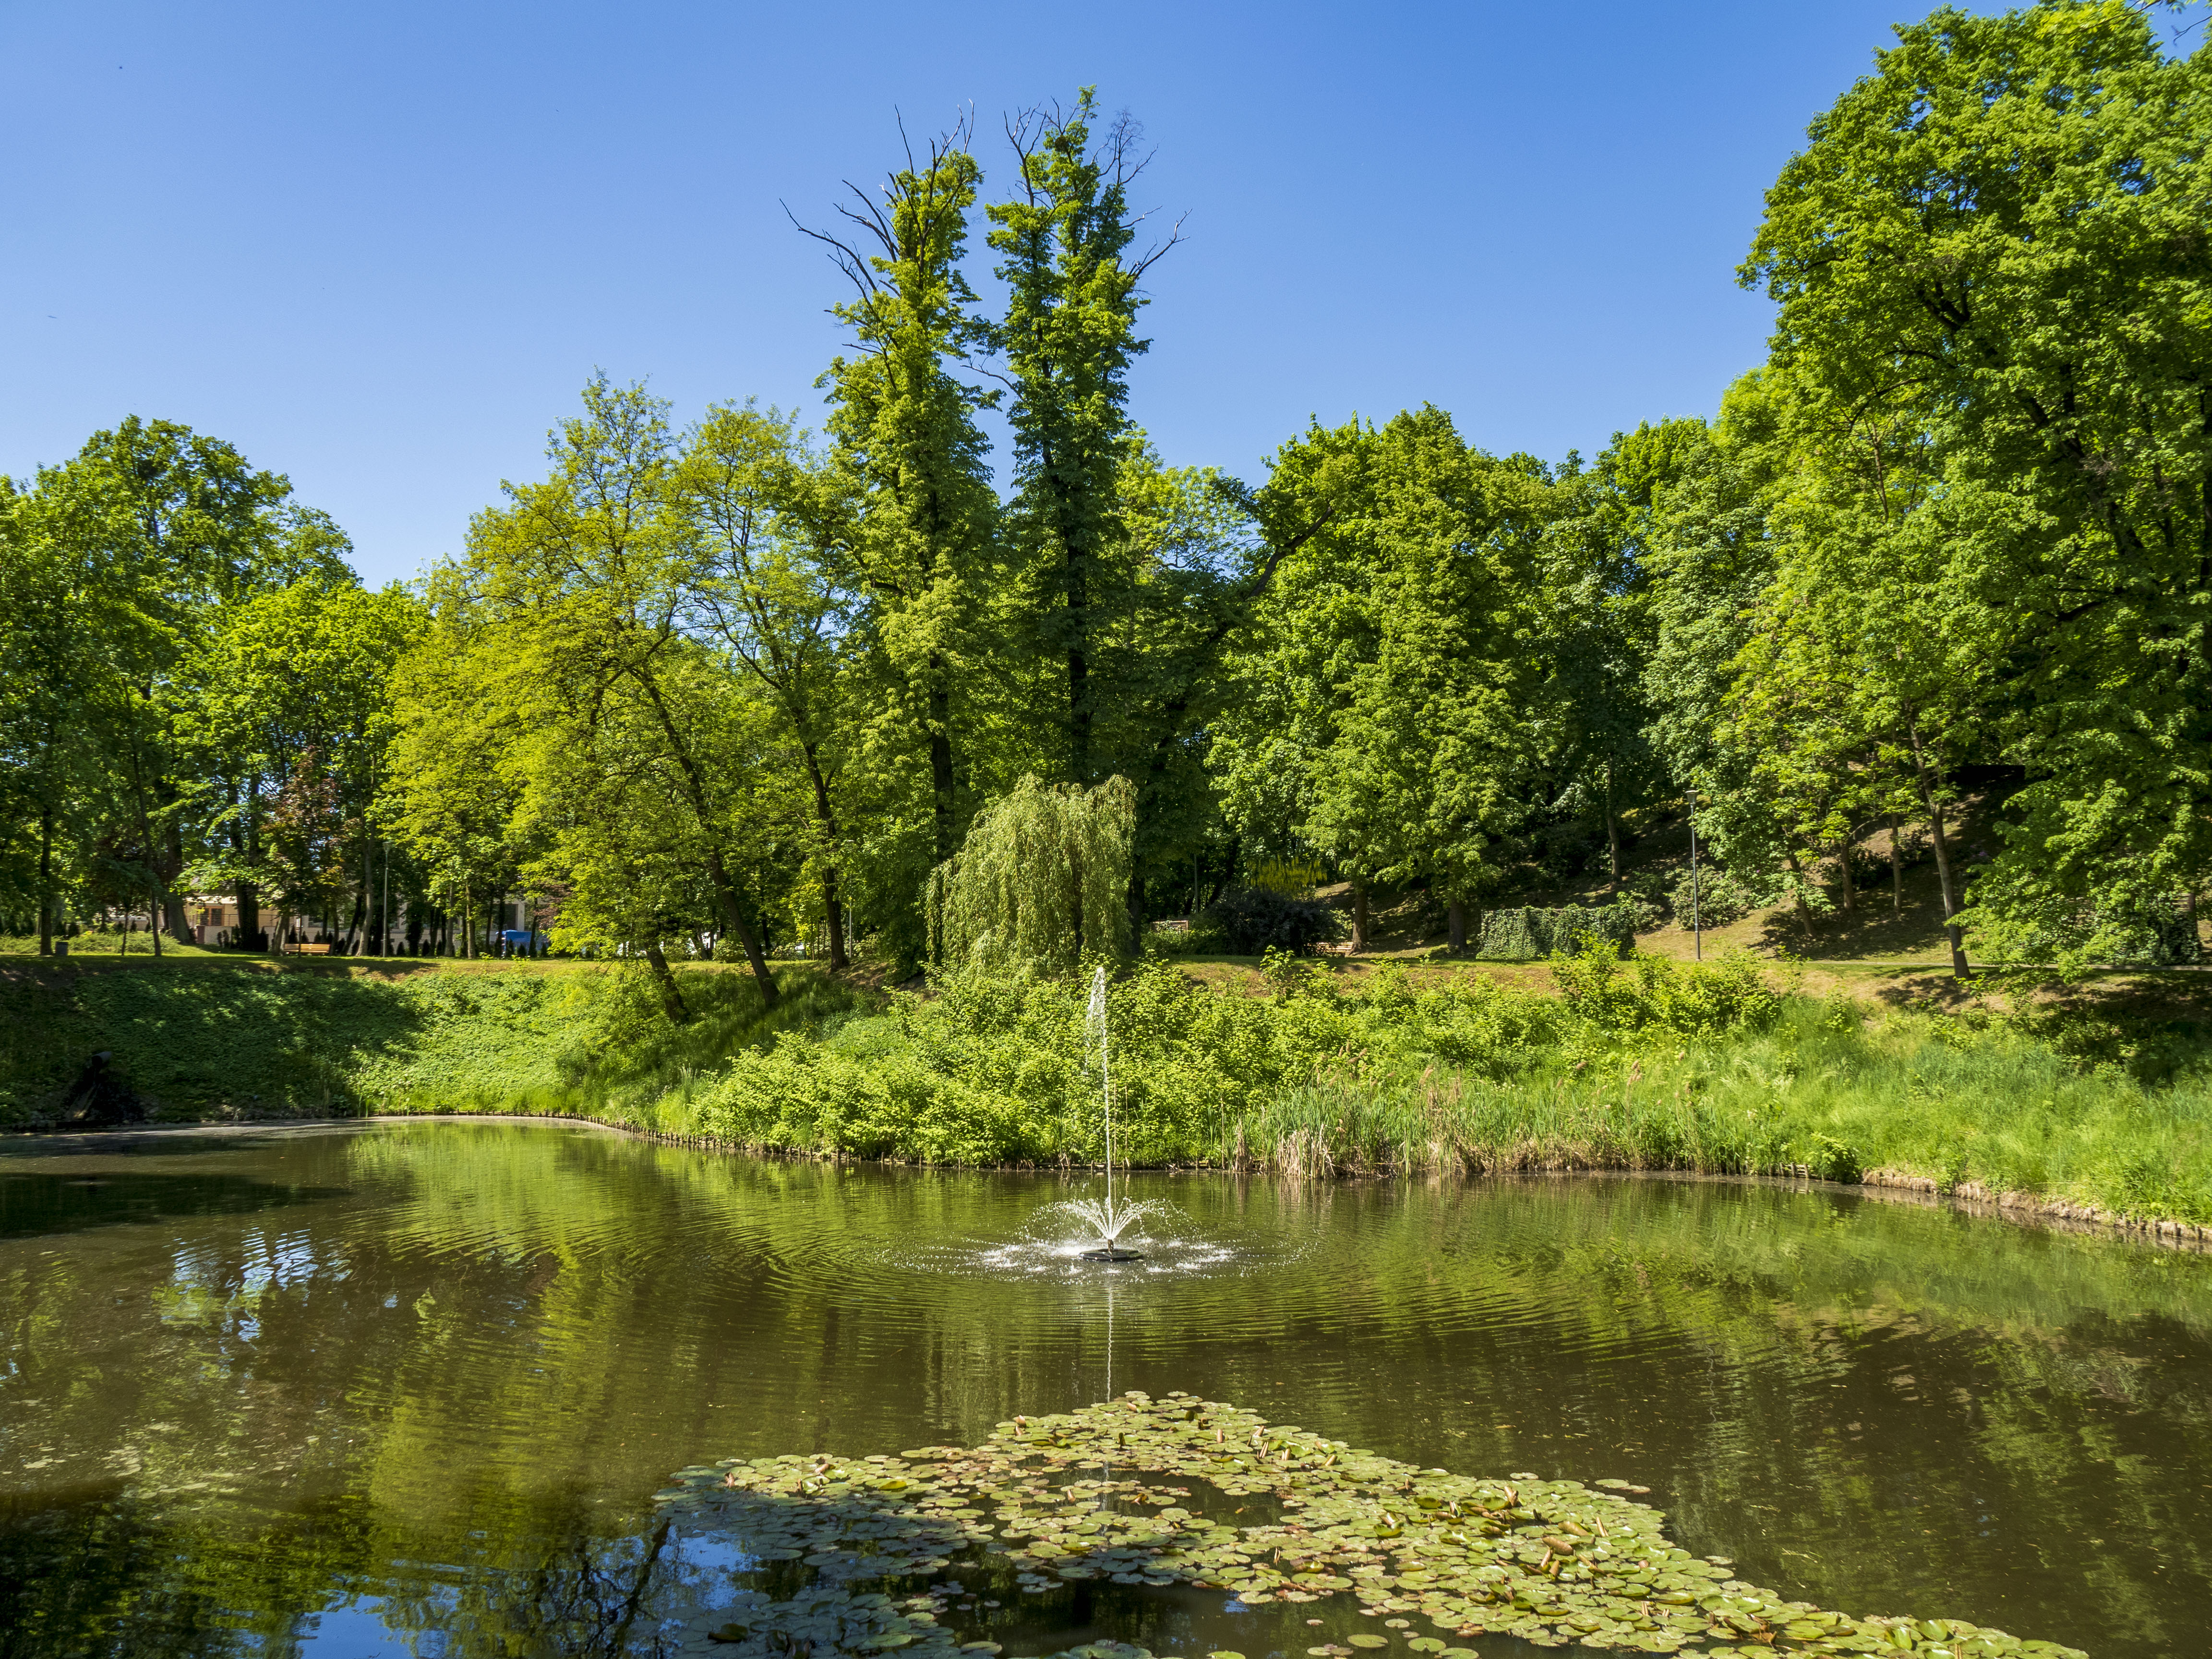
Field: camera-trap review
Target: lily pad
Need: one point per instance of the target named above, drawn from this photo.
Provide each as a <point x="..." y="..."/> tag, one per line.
<point x="1110" y="1492"/>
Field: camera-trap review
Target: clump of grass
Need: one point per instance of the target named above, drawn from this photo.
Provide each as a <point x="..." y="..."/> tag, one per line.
<point x="1642" y="1065"/>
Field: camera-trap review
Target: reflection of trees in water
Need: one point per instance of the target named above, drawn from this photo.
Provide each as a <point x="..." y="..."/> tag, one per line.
<point x="586" y="1598"/>
<point x="103" y="1574"/>
<point x="105" y="1577"/>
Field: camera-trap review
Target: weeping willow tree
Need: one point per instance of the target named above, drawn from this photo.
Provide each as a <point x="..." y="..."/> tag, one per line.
<point x="1043" y="877"/>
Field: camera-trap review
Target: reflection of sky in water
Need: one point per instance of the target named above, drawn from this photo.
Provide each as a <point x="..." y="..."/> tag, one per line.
<point x="206" y="1281"/>
<point x="355" y="1630"/>
<point x="706" y="1561"/>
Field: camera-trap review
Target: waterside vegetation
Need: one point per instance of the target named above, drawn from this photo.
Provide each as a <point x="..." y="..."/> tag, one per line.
<point x="1290" y="1066"/>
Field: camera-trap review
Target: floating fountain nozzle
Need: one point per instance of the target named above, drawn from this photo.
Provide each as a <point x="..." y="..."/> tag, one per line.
<point x="1110" y="1221"/>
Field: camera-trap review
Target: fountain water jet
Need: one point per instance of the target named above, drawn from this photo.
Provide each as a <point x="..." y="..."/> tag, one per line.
<point x="1109" y="1222"/>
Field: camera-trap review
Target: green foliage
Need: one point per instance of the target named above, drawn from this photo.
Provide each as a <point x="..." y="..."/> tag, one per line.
<point x="2014" y="205"/>
<point x="1712" y="897"/>
<point x="1652" y="994"/>
<point x="1525" y="933"/>
<point x="1389" y="688"/>
<point x="1293" y="877"/>
<point x="124" y="574"/>
<point x="1042" y="879"/>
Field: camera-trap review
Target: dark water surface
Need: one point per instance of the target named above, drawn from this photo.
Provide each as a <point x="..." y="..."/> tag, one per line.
<point x="410" y="1388"/>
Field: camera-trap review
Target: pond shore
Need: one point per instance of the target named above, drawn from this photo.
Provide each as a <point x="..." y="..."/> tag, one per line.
<point x="1886" y="1186"/>
<point x="2100" y="1117"/>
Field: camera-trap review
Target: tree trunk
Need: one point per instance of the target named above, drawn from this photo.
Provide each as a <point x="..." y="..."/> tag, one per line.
<point x="1456" y="924"/>
<point x="672" y="998"/>
<point x="1358" y="918"/>
<point x="1949" y="889"/>
<point x="1896" y="871"/>
<point x="468" y="922"/>
<point x="1078" y="671"/>
<point x="249" y="893"/>
<point x="826" y="816"/>
<point x="833" y="908"/>
<point x="46" y="881"/>
<point x="1804" y="910"/>
<point x="1844" y="875"/>
<point x="940" y="759"/>
<point x="172" y="901"/>
<point x="725" y="898"/>
<point x="1611" y="832"/>
<point x="1951" y="906"/>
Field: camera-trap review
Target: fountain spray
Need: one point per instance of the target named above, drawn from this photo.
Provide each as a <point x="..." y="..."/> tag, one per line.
<point x="1109" y="1223"/>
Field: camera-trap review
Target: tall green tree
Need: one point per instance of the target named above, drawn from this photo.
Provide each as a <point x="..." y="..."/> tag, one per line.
<point x="773" y="523"/>
<point x="1068" y="337"/>
<point x="1394" y="674"/>
<point x="294" y="708"/>
<point x="574" y="600"/>
<point x="1999" y="234"/>
<point x="153" y="533"/>
<point x="904" y="427"/>
<point x="1599" y="627"/>
<point x="50" y="628"/>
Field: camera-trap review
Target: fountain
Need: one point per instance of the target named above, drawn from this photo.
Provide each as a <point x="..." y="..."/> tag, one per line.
<point x="1109" y="1222"/>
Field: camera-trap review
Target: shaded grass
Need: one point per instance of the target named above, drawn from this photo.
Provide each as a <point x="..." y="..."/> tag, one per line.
<point x="210" y="1037"/>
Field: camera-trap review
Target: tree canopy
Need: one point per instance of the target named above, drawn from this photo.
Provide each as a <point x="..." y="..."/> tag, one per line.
<point x="1944" y="559"/>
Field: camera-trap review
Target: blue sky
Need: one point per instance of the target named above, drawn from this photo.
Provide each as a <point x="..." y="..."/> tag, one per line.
<point x="380" y="247"/>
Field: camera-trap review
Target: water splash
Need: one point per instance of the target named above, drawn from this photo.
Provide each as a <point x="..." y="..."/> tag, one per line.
<point x="1067" y="1237"/>
<point x="1107" y="1220"/>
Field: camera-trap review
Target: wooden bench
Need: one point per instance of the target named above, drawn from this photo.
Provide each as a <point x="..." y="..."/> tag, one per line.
<point x="310" y="950"/>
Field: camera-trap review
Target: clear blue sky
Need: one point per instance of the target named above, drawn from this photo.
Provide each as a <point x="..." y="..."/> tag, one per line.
<point x="380" y="247"/>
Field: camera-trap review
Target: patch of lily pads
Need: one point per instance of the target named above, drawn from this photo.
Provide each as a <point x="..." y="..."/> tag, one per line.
<point x="1106" y="1494"/>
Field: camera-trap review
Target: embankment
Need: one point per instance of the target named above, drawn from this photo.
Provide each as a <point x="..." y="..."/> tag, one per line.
<point x="1645" y="1065"/>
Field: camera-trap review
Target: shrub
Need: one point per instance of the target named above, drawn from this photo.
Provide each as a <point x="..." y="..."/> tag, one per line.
<point x="1704" y="1000"/>
<point x="1721" y="898"/>
<point x="1526" y="933"/>
<point x="1252" y="919"/>
<point x="1647" y="891"/>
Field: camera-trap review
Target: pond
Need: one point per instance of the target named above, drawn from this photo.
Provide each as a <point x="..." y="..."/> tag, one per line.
<point x="412" y="1387"/>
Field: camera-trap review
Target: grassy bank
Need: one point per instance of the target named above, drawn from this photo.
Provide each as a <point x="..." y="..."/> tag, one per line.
<point x="1645" y="1064"/>
<point x="212" y="1037"/>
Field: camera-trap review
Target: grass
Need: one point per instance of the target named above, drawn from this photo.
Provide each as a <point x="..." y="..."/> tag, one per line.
<point x="212" y="1036"/>
<point x="2099" y="1100"/>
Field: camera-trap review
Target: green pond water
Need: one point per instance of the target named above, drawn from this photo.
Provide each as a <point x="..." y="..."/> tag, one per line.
<point x="411" y="1389"/>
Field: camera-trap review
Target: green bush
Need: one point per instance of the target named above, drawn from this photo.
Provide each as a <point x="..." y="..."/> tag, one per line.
<point x="1527" y="934"/>
<point x="1721" y="898"/>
